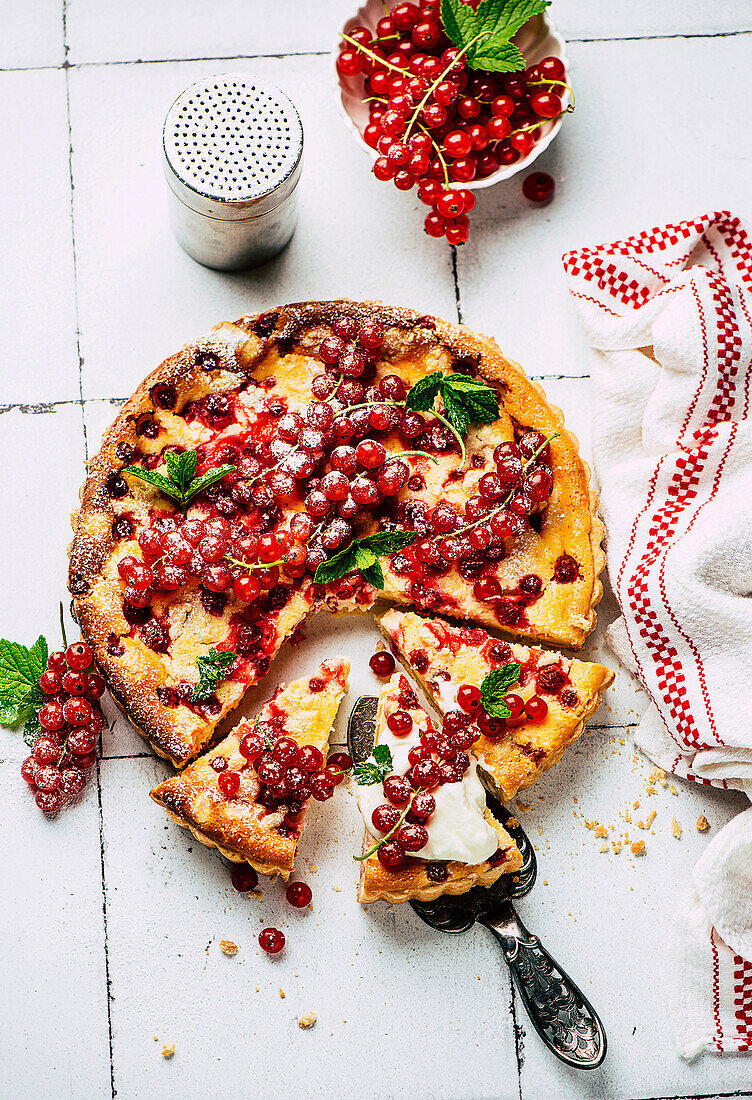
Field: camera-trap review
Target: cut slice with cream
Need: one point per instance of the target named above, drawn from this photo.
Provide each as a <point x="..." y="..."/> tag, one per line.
<point x="457" y="829"/>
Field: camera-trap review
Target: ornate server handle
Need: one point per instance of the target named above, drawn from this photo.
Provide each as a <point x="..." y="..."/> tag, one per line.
<point x="560" y="1013"/>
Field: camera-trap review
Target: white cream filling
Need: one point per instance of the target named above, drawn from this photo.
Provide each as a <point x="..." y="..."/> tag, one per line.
<point x="457" y="829"/>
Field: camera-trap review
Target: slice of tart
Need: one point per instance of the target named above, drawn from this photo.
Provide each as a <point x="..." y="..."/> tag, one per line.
<point x="249" y="795"/>
<point x="428" y="829"/>
<point x="550" y="699"/>
<point x="256" y="454"/>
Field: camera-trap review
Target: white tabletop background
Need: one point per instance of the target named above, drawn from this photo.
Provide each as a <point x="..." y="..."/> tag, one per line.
<point x="112" y="914"/>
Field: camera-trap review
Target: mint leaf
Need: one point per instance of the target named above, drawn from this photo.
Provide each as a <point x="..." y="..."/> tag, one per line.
<point x="181" y="468"/>
<point x="340" y="565"/>
<point x="479" y="401"/>
<point x="485" y="34"/>
<point x="211" y="477"/>
<point x="455" y="412"/>
<point x="181" y="483"/>
<point x="363" y="554"/>
<point x="387" y="542"/>
<point x="375" y="770"/>
<point x="159" y="481"/>
<point x="211" y="668"/>
<point x="421" y="396"/>
<point x="495" y="686"/>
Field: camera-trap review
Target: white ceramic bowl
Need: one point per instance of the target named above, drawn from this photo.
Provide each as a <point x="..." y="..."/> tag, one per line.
<point x="536" y="40"/>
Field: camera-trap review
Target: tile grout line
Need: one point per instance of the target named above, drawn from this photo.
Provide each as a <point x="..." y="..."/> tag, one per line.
<point x="325" y="53"/>
<point x="455" y="279"/>
<point x="103" y="881"/>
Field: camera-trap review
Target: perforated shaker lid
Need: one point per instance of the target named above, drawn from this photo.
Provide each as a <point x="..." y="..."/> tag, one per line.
<point x="233" y="146"/>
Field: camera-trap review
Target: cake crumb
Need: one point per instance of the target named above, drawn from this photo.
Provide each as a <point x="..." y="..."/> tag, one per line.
<point x="168" y="1052"/>
<point x="650" y="818"/>
<point x="673" y="790"/>
<point x="617" y="846"/>
<point x="282" y="994"/>
<point x="601" y="832"/>
<point x="703" y="824"/>
<point x="227" y="947"/>
<point x="604" y="848"/>
<point x="636" y="804"/>
<point x="524" y="806"/>
<point x="638" y="848"/>
<point x="676" y="829"/>
<point x="307" y="1021"/>
<point x="313" y="868"/>
<point x="651" y="790"/>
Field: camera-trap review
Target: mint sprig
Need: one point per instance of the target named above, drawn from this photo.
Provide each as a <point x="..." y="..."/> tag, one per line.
<point x="370" y="772"/>
<point x="495" y="686"/>
<point x="180" y="482"/>
<point x="211" y="669"/>
<point x="20" y="669"/>
<point x="466" y="401"/>
<point x="363" y="555"/>
<point x="485" y="34"/>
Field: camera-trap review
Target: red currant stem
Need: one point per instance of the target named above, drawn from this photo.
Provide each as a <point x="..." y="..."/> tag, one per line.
<point x="561" y="83"/>
<point x="401" y="454"/>
<point x="542" y="121"/>
<point x="438" y="80"/>
<point x="270" y="469"/>
<point x="439" y="154"/>
<point x="62" y="626"/>
<point x="375" y="56"/>
<point x="63" y="751"/>
<point x="393" y="829"/>
<point x="374" y="99"/>
<point x="507" y="498"/>
<point x="256" y="565"/>
<point x="457" y="436"/>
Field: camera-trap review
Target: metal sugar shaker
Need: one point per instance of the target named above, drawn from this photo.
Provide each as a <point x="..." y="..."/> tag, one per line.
<point x="233" y="155"/>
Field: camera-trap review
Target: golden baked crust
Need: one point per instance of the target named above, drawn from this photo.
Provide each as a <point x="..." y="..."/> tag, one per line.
<point x="442" y="657"/>
<point x="274" y="356"/>
<point x="417" y="878"/>
<point x="241" y="827"/>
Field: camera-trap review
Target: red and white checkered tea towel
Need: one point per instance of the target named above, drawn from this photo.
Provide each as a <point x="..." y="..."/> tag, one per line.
<point x="669" y="313"/>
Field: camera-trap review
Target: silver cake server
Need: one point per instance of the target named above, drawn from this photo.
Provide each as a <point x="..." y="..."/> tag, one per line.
<point x="560" y="1013"/>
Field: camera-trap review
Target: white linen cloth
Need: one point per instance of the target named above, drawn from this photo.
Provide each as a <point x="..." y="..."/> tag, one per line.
<point x="669" y="313"/>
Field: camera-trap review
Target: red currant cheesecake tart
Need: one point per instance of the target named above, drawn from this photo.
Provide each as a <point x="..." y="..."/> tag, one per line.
<point x="522" y="706"/>
<point x="428" y="829"/>
<point x="320" y="455"/>
<point x="249" y="795"/>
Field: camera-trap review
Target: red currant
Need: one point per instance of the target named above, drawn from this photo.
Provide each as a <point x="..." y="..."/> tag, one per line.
<point x="299" y="894"/>
<point x="271" y="940"/>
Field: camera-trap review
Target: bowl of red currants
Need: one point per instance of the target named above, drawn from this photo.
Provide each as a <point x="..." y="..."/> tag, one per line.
<point x="433" y="118"/>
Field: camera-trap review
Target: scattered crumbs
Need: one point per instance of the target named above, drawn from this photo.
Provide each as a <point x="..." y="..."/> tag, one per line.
<point x="651" y="790"/>
<point x="601" y="831"/>
<point x="513" y="822"/>
<point x="603" y="848"/>
<point x="156" y="1038"/>
<point x="636" y="804"/>
<point x="638" y="848"/>
<point x="650" y="818"/>
<point x="540" y="830"/>
<point x="676" y="829"/>
<point x="617" y="846"/>
<point x="307" y="1021"/>
<point x="524" y="806"/>
<point x="337" y="889"/>
<point x="622" y="741"/>
<point x="545" y="882"/>
<point x="590" y="824"/>
<point x="380" y="647"/>
<point x="628" y="817"/>
<point x="673" y="790"/>
<point x="703" y="824"/>
<point x="167" y="1052"/>
<point x="313" y="868"/>
<point x="576" y="800"/>
<point x="257" y="989"/>
<point x="227" y="947"/>
<point x="282" y="994"/>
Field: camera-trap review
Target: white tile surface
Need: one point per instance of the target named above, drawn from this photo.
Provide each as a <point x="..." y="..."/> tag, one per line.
<point x="52" y="966"/>
<point x="615" y="174"/>
<point x="384" y="987"/>
<point x="141" y="297"/>
<point x="37" y="308"/>
<point x="606" y="917"/>
<point x="32" y="34"/>
<point x="102" y="30"/>
<point x="401" y="1010"/>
